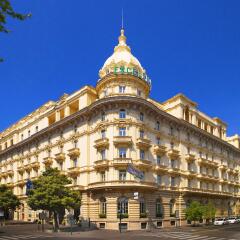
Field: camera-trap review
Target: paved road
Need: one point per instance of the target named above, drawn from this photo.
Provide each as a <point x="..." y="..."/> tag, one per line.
<point x="24" y="232"/>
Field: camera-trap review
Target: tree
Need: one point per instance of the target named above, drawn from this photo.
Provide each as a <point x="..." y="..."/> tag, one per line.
<point x="209" y="211"/>
<point x="194" y="212"/>
<point x="6" y="10"/>
<point x="50" y="192"/>
<point x="8" y="201"/>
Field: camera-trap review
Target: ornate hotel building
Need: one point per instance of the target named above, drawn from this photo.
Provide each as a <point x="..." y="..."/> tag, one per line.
<point x="94" y="134"/>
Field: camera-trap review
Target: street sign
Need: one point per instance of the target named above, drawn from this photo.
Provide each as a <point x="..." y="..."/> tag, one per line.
<point x="29" y="186"/>
<point x="135" y="195"/>
<point x="135" y="172"/>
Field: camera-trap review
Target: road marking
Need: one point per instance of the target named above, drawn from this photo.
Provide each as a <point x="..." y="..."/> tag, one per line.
<point x="16" y="237"/>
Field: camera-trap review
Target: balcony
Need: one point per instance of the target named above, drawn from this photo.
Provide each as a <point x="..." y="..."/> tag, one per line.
<point x="35" y="165"/>
<point x="21" y="169"/>
<point x="121" y="162"/>
<point x="73" y="153"/>
<point x="73" y="171"/>
<point x="204" y="176"/>
<point x="20" y="183"/>
<point x="122" y="141"/>
<point x="60" y="157"/>
<point x="191" y="173"/>
<point x="101" y="143"/>
<point x="174" y="170"/>
<point x="159" y="150"/>
<point x="48" y="161"/>
<point x="28" y="167"/>
<point x="10" y="173"/>
<point x="143" y="143"/>
<point x="222" y="167"/>
<point x="173" y="154"/>
<point x="101" y="164"/>
<point x="204" y="161"/>
<point x="143" y="164"/>
<point x="189" y="157"/>
<point x="160" y="168"/>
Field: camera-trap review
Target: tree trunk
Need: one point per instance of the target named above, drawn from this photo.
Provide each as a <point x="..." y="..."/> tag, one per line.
<point x="55" y="222"/>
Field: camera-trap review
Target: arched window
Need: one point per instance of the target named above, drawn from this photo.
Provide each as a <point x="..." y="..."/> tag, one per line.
<point x="159" y="208"/>
<point x="142" y="208"/>
<point x="123" y="207"/>
<point x="122" y="113"/>
<point x="102" y="207"/>
<point x="172" y="208"/>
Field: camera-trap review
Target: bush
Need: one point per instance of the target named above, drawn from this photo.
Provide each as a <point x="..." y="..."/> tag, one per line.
<point x="102" y="215"/>
<point x="159" y="215"/>
<point x="123" y="215"/>
<point x="143" y="215"/>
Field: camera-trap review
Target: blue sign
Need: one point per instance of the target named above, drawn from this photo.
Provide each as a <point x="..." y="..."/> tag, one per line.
<point x="135" y="172"/>
<point x="29" y="186"/>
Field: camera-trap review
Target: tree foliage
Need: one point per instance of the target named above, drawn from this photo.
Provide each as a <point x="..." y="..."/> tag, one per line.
<point x="50" y="192"/>
<point x="209" y="211"/>
<point x="8" y="201"/>
<point x="6" y="10"/>
<point x="197" y="211"/>
<point x="194" y="212"/>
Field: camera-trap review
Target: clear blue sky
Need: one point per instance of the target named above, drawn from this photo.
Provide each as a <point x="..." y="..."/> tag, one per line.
<point x="186" y="46"/>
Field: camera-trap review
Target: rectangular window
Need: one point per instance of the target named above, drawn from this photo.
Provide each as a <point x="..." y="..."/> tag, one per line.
<point x="141" y="116"/>
<point x="139" y="93"/>
<point x="122" y="131"/>
<point x="122" y="89"/>
<point x="75" y="162"/>
<point x="103" y="154"/>
<point x="158" y="125"/>
<point x="142" y="154"/>
<point x="103" y="133"/>
<point x="103" y="176"/>
<point x="122" y="152"/>
<point x="122" y="113"/>
<point x="172" y="163"/>
<point x="159" y="179"/>
<point x="158" y="160"/>
<point x="141" y="134"/>
<point x="172" y="181"/>
<point x="122" y="175"/>
<point x="158" y="141"/>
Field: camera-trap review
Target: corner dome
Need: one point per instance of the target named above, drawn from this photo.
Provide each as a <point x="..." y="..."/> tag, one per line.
<point x="122" y="61"/>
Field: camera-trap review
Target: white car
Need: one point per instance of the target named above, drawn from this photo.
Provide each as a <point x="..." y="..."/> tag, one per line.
<point x="220" y="221"/>
<point x="232" y="220"/>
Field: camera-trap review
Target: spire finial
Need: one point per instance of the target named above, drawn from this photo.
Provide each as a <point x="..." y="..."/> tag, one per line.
<point x="122" y="18"/>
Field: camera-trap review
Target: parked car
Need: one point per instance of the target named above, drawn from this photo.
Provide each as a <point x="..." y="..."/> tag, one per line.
<point x="232" y="220"/>
<point x="238" y="219"/>
<point x="220" y="221"/>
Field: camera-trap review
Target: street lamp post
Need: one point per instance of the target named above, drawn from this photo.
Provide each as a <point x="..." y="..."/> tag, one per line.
<point x="120" y="217"/>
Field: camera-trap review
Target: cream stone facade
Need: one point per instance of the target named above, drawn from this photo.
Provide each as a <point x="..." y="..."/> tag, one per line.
<point x="94" y="134"/>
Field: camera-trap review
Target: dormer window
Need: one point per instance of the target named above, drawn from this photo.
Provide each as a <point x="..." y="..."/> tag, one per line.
<point x="139" y="93"/>
<point x="122" y="89"/>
